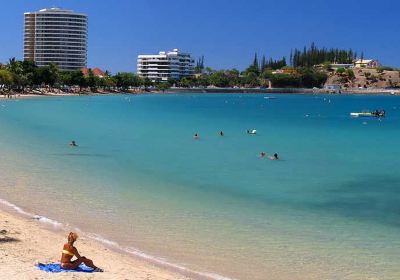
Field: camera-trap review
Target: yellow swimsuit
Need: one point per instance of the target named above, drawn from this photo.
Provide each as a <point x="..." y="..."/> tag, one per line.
<point x="68" y="253"/>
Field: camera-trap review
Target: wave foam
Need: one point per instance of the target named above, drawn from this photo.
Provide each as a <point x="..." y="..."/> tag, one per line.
<point x="175" y="267"/>
<point x="15" y="208"/>
<point x="130" y="250"/>
<point x="49" y="221"/>
<point x="102" y="240"/>
<point x="156" y="260"/>
<point x="41" y="219"/>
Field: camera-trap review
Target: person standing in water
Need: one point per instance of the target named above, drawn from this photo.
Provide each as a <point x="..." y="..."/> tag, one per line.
<point x="221" y="133"/>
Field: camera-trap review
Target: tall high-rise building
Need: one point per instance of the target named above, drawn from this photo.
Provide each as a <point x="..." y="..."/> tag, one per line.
<point x="56" y="36"/>
<point x="165" y="66"/>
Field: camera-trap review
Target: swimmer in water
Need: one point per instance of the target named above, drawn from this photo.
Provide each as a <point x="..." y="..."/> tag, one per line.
<point x="262" y="155"/>
<point x="274" y="157"/>
<point x="196" y="136"/>
<point x="73" y="144"/>
<point x="221" y="133"/>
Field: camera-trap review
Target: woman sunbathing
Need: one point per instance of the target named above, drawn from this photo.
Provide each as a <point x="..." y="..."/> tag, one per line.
<point x="69" y="251"/>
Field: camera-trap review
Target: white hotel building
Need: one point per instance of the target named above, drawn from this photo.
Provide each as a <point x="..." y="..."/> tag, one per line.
<point x="58" y="36"/>
<point x="165" y="66"/>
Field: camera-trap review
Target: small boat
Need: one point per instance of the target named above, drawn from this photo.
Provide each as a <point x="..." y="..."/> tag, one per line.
<point x="361" y="114"/>
<point x="252" y="131"/>
<point x="376" y="113"/>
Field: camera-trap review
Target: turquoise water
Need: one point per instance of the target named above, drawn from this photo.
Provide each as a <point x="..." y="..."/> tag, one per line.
<point x="329" y="209"/>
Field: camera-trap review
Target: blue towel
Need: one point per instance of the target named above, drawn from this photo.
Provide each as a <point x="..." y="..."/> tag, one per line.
<point x="56" y="268"/>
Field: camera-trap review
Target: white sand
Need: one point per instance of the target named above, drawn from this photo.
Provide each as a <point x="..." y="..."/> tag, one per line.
<point x="24" y="242"/>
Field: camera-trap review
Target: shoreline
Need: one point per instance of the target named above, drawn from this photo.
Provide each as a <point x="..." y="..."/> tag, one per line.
<point x="367" y="91"/>
<point x="304" y="91"/>
<point x="27" y="239"/>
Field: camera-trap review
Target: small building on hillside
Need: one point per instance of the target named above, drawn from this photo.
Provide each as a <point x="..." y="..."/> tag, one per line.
<point x="336" y="66"/>
<point x="333" y="88"/>
<point x="367" y="63"/>
<point x="288" y="71"/>
<point x="96" y="71"/>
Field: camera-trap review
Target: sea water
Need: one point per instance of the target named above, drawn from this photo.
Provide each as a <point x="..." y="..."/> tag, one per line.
<point x="328" y="209"/>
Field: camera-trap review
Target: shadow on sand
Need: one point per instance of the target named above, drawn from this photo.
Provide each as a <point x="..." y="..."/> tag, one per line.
<point x="6" y="239"/>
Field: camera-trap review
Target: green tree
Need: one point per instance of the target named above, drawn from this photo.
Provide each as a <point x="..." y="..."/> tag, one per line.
<point x="47" y="75"/>
<point x="310" y="78"/>
<point x="147" y="82"/>
<point x="125" y="80"/>
<point x="209" y="70"/>
<point x="218" y="79"/>
<point x="163" y="86"/>
<point x="313" y="55"/>
<point x="350" y="74"/>
<point x="199" y="65"/>
<point x="28" y="71"/>
<point x="108" y="82"/>
<point x="285" y="80"/>
<point x="250" y="80"/>
<point x="6" y="78"/>
<point x="78" y="79"/>
<point x="255" y="64"/>
<point x="340" y="71"/>
<point x="266" y="74"/>
<point x="202" y="81"/>
<point x="14" y="66"/>
<point x="233" y="76"/>
<point x="91" y="79"/>
<point x="185" y="82"/>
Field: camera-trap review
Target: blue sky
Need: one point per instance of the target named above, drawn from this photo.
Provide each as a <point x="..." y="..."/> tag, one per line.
<point x="226" y="32"/>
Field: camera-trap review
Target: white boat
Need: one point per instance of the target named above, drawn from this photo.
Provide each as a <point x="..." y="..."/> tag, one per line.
<point x="361" y="114"/>
<point x="377" y="113"/>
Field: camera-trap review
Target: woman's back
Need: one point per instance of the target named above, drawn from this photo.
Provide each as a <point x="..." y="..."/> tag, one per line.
<point x="67" y="253"/>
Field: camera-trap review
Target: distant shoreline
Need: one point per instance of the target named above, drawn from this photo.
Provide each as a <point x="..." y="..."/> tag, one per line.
<point x="369" y="91"/>
<point x="86" y="92"/>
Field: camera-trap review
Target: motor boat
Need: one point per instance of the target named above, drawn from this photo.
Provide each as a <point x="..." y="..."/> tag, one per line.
<point x="377" y="113"/>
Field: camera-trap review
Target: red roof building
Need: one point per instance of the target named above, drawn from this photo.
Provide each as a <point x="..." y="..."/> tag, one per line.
<point x="96" y="71"/>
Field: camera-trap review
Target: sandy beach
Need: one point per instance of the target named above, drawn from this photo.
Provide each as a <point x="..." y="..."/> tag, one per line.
<point x="24" y="242"/>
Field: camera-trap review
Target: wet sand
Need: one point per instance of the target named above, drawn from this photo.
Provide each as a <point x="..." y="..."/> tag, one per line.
<point x="25" y="242"/>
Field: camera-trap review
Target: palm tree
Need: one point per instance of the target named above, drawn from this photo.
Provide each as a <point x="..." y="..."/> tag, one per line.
<point x="14" y="66"/>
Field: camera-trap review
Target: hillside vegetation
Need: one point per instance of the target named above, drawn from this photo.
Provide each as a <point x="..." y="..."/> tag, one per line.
<point x="365" y="78"/>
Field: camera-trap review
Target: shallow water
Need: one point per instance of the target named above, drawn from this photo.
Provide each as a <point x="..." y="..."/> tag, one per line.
<point x="329" y="209"/>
